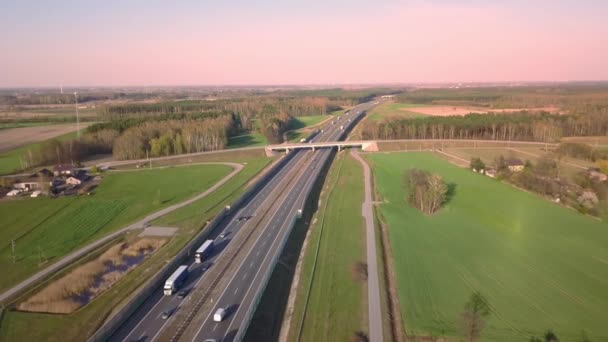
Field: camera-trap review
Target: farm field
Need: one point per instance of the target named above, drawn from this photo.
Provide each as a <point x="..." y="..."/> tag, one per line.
<point x="49" y="327"/>
<point x="10" y="160"/>
<point x="540" y="266"/>
<point x="45" y="228"/>
<point x="337" y="307"/>
<point x="15" y="137"/>
<point x="393" y="110"/>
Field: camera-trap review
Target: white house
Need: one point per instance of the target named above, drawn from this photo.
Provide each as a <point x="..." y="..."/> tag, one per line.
<point x="73" y="181"/>
<point x="13" y="193"/>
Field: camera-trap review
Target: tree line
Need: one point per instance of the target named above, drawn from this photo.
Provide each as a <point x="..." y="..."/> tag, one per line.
<point x="524" y="125"/>
<point x="69" y="151"/>
<point x="171" y="137"/>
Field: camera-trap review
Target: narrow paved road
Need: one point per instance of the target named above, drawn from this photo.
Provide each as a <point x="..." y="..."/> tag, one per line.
<point x="66" y="260"/>
<point x="373" y="289"/>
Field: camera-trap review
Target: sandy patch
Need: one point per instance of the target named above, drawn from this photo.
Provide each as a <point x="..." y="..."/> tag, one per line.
<point x="457" y="110"/>
<point x="14" y="137"/>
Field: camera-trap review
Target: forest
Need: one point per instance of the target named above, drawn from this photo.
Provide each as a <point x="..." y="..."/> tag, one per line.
<point x="524" y="125"/>
<point x="136" y="129"/>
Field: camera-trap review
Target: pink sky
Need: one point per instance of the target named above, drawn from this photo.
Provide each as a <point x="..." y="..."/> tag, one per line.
<point x="432" y="41"/>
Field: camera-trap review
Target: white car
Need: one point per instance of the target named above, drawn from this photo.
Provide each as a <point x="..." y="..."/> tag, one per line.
<point x="219" y="314"/>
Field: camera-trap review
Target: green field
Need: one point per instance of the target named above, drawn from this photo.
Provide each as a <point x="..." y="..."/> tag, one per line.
<point x="306" y="121"/>
<point x="54" y="227"/>
<point x="189" y="217"/>
<point x="394" y="110"/>
<point x="541" y="266"/>
<point x="337" y="307"/>
<point x="247" y="140"/>
<point x="10" y="160"/>
<point x="7" y="125"/>
<point x="49" y="327"/>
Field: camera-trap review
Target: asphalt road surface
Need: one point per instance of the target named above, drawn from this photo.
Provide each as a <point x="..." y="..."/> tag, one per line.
<point x="247" y="283"/>
<point x="373" y="289"/>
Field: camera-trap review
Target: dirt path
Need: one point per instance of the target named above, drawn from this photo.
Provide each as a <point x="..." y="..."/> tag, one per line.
<point x="68" y="259"/>
<point x="373" y="287"/>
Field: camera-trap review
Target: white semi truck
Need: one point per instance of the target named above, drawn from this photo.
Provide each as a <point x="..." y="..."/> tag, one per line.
<point x="176" y="280"/>
<point x="203" y="251"/>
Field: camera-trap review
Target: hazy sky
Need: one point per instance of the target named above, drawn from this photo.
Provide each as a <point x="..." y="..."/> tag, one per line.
<point x="150" y="42"/>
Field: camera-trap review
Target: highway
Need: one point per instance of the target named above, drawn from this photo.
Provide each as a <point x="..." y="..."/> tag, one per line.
<point x="279" y="205"/>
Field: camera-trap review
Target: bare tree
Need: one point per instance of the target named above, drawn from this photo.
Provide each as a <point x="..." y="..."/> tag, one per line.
<point x="476" y="310"/>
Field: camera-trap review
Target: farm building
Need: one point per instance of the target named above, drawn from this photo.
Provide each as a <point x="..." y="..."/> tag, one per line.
<point x="73" y="181"/>
<point x="64" y="169"/>
<point x="27" y="186"/>
<point x="13" y="193"/>
<point x="490" y="172"/>
<point x="598" y="176"/>
<point x="515" y="165"/>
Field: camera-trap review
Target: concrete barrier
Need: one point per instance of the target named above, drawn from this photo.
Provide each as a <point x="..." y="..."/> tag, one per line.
<point x="116" y="321"/>
<point x="266" y="277"/>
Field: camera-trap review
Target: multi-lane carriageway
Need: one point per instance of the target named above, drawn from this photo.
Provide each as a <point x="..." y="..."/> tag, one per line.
<point x="235" y="276"/>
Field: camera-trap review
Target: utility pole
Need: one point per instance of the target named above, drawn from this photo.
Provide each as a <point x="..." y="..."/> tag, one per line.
<point x="13" y="249"/>
<point x="77" y="118"/>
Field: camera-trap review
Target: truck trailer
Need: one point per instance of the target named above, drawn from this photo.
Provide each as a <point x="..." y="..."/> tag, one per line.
<point x="176" y="280"/>
<point x="203" y="251"/>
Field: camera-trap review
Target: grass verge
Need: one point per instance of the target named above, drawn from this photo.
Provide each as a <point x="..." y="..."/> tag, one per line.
<point x="331" y="296"/>
<point x="16" y="325"/>
<point x="541" y="266"/>
<point x="45" y="229"/>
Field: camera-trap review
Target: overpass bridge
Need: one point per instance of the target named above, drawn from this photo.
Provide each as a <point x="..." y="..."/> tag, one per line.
<point x="365" y="145"/>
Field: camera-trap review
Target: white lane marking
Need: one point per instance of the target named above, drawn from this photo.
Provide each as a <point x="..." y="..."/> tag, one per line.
<point x="217" y="256"/>
<point x="241" y="265"/>
<point x="263" y="261"/>
<point x="143" y="319"/>
<point x="236" y="291"/>
<point x="215" y="326"/>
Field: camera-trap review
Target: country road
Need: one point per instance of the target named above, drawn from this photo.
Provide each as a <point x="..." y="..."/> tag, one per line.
<point x="66" y="260"/>
<point x="373" y="288"/>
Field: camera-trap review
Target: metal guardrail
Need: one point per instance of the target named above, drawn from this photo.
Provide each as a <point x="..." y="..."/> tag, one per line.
<point x="258" y="296"/>
<point x="116" y="321"/>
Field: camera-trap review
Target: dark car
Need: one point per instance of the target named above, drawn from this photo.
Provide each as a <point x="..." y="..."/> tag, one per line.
<point x="182" y="294"/>
<point x="165" y="315"/>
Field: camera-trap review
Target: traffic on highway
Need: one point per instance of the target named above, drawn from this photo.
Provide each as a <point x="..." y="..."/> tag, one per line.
<point x="271" y="212"/>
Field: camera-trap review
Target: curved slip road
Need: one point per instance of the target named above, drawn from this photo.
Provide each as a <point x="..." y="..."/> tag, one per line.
<point x="68" y="259"/>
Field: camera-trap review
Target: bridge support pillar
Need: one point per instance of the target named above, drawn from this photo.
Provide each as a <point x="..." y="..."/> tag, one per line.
<point x="313" y="148"/>
<point x="286" y="151"/>
<point x="339" y="148"/>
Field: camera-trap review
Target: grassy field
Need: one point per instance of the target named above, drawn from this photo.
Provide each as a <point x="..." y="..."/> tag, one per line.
<point x="568" y="166"/>
<point x="17" y="325"/>
<point x="247" y="140"/>
<point x="337" y="307"/>
<point x="7" y="125"/>
<point x="189" y="217"/>
<point x="392" y="109"/>
<point x="541" y="266"/>
<point x="54" y="227"/>
<point x="9" y="160"/>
